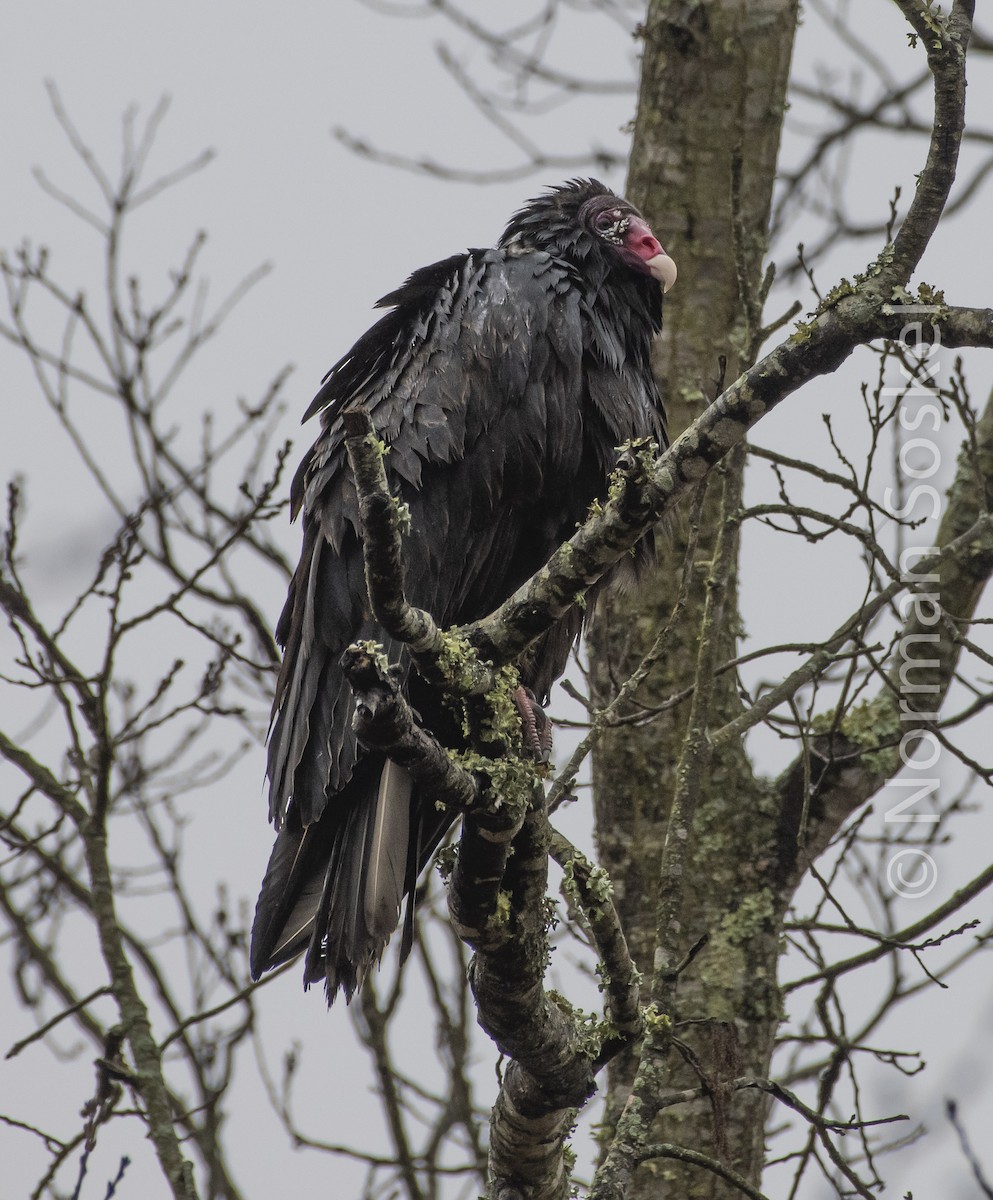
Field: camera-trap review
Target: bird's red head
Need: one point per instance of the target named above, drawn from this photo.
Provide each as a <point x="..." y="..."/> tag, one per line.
<point x="618" y="223"/>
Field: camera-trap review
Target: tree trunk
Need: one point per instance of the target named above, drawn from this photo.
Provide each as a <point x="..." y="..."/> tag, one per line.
<point x="706" y="140"/>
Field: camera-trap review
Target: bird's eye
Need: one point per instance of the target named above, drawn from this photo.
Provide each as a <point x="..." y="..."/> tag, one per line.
<point x="610" y="225"/>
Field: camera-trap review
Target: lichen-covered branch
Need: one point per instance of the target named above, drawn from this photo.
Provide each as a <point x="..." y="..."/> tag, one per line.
<point x="149" y="1079"/>
<point x="591" y="889"/>
<point x="379" y="513"/>
<point x="945" y="41"/>
<point x="383" y="720"/>
<point x="552" y="1071"/>
<point x="496" y="900"/>
<point x="381" y="519"/>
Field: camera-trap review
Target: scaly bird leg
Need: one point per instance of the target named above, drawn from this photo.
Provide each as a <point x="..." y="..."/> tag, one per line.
<point x="535" y="725"/>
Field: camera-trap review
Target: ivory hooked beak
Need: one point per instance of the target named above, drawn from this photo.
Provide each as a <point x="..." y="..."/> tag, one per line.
<point x="663" y="269"/>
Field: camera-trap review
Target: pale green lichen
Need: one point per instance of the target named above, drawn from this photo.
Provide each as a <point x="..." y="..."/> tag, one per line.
<point x="752" y="917"/>
<point x="936" y="22"/>
<point x="498" y="716"/>
<point x="934" y="298"/>
<point x="591" y="897"/>
<point x="510" y="780"/>
<point x="634" y="976"/>
<point x="658" y="1025"/>
<point x="500" y="721"/>
<point x="874" y="727"/>
<point x="591" y="1029"/>
<point x="569" y="1165"/>
<point x="803" y="331"/>
<point x="500" y="917"/>
<point x="457" y="660"/>
<point x="643" y="451"/>
<point x="602" y="975"/>
<point x="402" y="510"/>
<point x="445" y="860"/>
<point x="737" y="985"/>
<point x="490" y="720"/>
<point x="690" y="394"/>
<point x="883" y="259"/>
<point x="841" y="289"/>
<point x="378" y="655"/>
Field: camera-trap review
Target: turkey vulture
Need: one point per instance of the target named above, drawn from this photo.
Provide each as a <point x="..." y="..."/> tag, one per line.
<point x="502" y="381"/>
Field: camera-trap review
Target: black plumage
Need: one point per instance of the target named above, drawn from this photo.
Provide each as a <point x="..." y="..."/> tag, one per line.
<point x="502" y="381"/>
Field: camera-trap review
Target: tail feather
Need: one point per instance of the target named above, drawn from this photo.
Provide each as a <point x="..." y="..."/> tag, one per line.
<point x="290" y="894"/>
<point x="367" y="877"/>
<point x="335" y="888"/>
<point x="387" y="852"/>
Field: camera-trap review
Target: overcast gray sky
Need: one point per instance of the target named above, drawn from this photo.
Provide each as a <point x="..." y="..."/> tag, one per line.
<point x="264" y="85"/>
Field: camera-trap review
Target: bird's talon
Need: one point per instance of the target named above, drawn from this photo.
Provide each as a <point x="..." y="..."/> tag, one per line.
<point x="535" y="725"/>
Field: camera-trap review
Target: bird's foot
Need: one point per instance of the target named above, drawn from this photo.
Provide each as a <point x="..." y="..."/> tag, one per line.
<point x="535" y="725"/>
